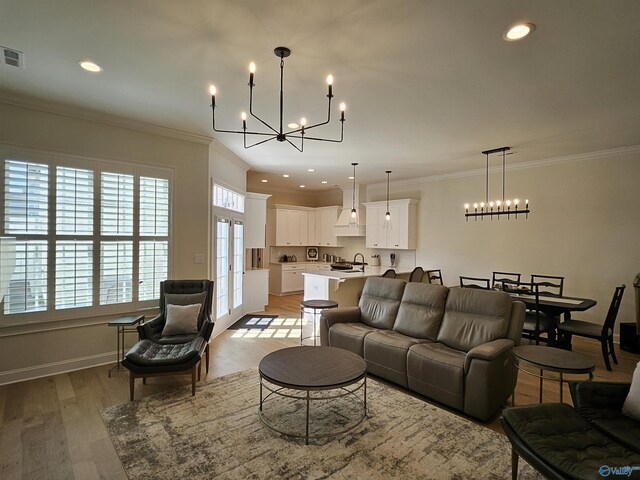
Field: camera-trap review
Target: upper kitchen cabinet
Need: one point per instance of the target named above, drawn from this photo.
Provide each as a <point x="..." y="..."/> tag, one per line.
<point x="399" y="232"/>
<point x="255" y="219"/>
<point x="292" y="225"/>
<point x="326" y="218"/>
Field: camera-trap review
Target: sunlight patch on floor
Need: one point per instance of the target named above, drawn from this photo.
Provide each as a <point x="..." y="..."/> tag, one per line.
<point x="277" y="328"/>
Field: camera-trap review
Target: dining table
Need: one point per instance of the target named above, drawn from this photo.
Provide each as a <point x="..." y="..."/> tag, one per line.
<point x="555" y="306"/>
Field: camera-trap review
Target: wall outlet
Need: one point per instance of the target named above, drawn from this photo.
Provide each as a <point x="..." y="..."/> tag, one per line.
<point x="198" y="258"/>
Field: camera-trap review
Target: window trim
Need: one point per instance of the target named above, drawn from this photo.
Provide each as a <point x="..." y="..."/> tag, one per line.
<point x="97" y="165"/>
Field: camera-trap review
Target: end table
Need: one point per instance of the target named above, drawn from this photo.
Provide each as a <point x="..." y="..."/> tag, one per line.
<point x="123" y="325"/>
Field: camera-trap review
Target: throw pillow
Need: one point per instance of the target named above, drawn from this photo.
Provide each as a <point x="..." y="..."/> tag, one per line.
<point x="181" y="319"/>
<point x="631" y="407"/>
<point x="186" y="299"/>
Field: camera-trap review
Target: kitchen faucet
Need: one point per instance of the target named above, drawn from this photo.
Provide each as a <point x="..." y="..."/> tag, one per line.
<point x="355" y="258"/>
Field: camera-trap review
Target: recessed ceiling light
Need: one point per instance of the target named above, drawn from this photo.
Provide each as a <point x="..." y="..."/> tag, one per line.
<point x="311" y="170"/>
<point x="518" y="31"/>
<point x="286" y="175"/>
<point x="350" y="178"/>
<point x="293" y="125"/>
<point x="264" y="180"/>
<point x="90" y="66"/>
<point x="303" y="186"/>
<point x="324" y="181"/>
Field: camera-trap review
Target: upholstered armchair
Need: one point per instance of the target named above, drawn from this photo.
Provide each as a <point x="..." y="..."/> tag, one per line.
<point x="162" y="349"/>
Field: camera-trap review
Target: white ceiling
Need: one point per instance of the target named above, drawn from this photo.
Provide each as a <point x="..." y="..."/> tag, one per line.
<point x="428" y="84"/>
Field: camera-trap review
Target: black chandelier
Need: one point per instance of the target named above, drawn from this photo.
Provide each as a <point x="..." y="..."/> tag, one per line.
<point x="298" y="131"/>
<point x="499" y="207"/>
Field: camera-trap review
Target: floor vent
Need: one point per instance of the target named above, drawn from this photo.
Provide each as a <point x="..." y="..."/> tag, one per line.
<point x="12" y="57"/>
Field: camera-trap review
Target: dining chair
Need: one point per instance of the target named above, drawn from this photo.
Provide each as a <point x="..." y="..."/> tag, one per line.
<point x="536" y="322"/>
<point x="474" y="282"/>
<point x="603" y="333"/>
<point x="416" y="275"/>
<point x="391" y="273"/>
<point x="500" y="277"/>
<point x="434" y="277"/>
<point x="549" y="285"/>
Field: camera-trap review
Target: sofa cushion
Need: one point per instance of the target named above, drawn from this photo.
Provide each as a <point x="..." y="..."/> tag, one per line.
<point x="380" y="301"/>
<point x="437" y="371"/>
<point x="473" y="317"/>
<point x="385" y="352"/>
<point x="421" y="310"/>
<point x="349" y="336"/>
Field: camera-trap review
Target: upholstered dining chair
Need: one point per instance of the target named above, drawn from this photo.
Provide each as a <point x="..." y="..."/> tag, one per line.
<point x="603" y="333"/>
<point x="434" y="277"/>
<point x="475" y="282"/>
<point x="535" y="321"/>
<point x="416" y="275"/>
<point x="390" y="273"/>
<point x="499" y="277"/>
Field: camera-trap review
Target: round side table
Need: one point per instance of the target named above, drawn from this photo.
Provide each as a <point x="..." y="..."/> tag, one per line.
<point x="551" y="359"/>
<point x="315" y="306"/>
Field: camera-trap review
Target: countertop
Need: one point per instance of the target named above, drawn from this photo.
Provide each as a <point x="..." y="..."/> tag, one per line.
<point x="299" y="262"/>
<point x="368" y="272"/>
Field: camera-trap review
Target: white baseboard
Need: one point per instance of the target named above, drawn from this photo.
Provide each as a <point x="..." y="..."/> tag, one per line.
<point x="55" y="368"/>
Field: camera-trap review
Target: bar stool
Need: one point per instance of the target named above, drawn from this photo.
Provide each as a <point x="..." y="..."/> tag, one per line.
<point x="315" y="306"/>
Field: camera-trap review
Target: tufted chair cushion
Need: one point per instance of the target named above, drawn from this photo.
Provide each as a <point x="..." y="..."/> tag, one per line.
<point x="563" y="438"/>
<point x="380" y="301"/>
<point x="147" y="356"/>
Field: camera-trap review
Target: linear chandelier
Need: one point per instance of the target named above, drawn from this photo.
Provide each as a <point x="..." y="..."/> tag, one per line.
<point x="279" y="134"/>
<point x="502" y="207"/>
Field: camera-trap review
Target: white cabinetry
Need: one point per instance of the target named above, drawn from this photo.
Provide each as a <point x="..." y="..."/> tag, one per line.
<point x="256" y="286"/>
<point x="287" y="277"/>
<point x="399" y="232"/>
<point x="291" y="227"/>
<point x="326" y="218"/>
<point x="255" y="219"/>
<point x="302" y="226"/>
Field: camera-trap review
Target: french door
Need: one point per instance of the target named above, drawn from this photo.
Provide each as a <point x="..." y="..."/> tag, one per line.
<point x="229" y="245"/>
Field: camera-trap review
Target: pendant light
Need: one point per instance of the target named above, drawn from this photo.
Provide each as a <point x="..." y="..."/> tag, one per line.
<point x="354" y="213"/>
<point x="387" y="215"/>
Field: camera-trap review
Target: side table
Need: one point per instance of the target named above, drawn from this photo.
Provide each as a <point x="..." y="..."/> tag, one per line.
<point x="551" y="359"/>
<point x="123" y="325"/>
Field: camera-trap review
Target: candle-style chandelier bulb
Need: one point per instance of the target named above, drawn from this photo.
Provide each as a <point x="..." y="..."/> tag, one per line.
<point x="329" y="79"/>
<point x="303" y="121"/>
<point x="252" y="67"/>
<point x="212" y="89"/>
<point x="343" y="107"/>
<point x="243" y="115"/>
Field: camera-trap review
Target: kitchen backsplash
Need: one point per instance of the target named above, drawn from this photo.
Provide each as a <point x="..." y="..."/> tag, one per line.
<point x="350" y="246"/>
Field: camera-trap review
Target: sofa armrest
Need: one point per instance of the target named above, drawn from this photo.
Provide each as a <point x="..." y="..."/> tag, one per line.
<point x="330" y="317"/>
<point x="517" y="322"/>
<point x="487" y="351"/>
<point x="599" y="395"/>
<point x="152" y="328"/>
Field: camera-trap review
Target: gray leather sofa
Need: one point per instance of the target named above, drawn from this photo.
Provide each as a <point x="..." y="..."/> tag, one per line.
<point x="451" y="345"/>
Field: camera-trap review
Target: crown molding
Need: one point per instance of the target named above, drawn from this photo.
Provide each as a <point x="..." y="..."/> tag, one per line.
<point x="580" y="157"/>
<point x="228" y="154"/>
<point x="32" y="103"/>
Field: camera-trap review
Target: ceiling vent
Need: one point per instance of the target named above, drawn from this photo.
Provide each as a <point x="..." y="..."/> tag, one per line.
<point x="12" y="57"/>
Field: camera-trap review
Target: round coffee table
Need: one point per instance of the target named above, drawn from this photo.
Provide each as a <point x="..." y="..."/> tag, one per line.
<point x="551" y="359"/>
<point x="304" y="369"/>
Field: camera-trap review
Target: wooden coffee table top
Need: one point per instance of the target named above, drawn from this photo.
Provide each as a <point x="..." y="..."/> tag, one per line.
<point x="312" y="368"/>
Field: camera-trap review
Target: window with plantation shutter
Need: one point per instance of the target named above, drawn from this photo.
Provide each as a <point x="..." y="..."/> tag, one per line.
<point x="88" y="235"/>
<point x="154" y="239"/>
<point x="116" y="204"/>
<point x="26" y="218"/>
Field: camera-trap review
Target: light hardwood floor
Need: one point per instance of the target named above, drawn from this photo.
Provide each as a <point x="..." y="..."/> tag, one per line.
<point x="52" y="428"/>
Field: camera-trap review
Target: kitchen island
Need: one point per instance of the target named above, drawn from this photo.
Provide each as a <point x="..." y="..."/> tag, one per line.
<point x="344" y="287"/>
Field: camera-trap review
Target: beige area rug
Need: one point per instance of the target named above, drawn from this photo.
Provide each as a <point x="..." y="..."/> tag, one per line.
<point x="218" y="434"/>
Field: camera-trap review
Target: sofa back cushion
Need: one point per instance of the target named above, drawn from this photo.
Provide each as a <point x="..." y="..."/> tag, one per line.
<point x="473" y="317"/>
<point x="380" y="301"/>
<point x="421" y="310"/>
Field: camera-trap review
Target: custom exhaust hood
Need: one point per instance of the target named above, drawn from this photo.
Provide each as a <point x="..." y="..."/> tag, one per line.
<point x="345" y="227"/>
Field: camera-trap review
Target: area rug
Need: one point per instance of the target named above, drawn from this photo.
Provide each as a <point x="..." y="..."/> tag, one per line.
<point x="218" y="434"/>
<point x="253" y="322"/>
